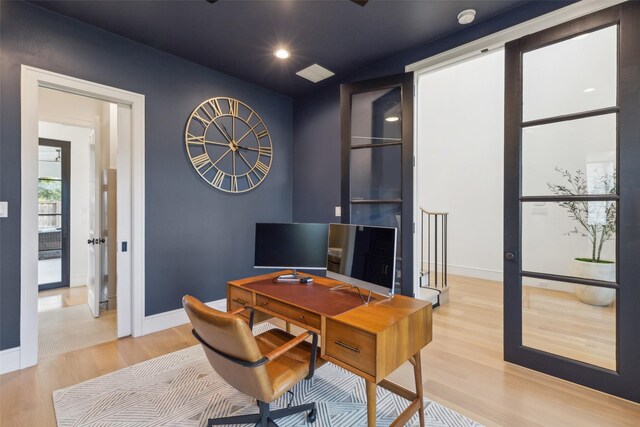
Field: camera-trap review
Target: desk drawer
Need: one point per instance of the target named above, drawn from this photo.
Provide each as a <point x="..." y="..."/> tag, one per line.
<point x="294" y="313"/>
<point x="239" y="298"/>
<point x="351" y="346"/>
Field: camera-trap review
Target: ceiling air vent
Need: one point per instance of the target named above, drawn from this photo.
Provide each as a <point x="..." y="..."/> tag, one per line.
<point x="315" y="73"/>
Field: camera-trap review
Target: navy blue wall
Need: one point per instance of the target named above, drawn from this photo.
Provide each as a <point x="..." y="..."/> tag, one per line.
<point x="197" y="238"/>
<point x="316" y="131"/>
<point x="316" y="153"/>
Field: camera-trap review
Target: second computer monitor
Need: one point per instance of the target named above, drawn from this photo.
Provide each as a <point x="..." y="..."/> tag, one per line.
<point x="363" y="256"/>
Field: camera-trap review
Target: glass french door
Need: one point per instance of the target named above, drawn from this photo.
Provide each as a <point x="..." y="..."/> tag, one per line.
<point x="377" y="162"/>
<point x="572" y="201"/>
<point x="53" y="213"/>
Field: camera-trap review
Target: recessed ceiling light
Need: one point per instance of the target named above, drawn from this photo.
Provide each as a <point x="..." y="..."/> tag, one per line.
<point x="282" y="53"/>
<point x="589" y="89"/>
<point x="392" y="118"/>
<point x="466" y="16"/>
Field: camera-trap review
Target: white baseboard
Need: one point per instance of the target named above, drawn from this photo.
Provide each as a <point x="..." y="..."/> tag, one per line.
<point x="480" y="273"/>
<point x="220" y="304"/>
<point x="545" y="284"/>
<point x="9" y="360"/>
<point x="170" y="319"/>
<point x="496" y="276"/>
<point x="77" y="281"/>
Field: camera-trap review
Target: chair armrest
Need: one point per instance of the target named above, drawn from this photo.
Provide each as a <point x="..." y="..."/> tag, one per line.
<point x="279" y="351"/>
<point x="238" y="310"/>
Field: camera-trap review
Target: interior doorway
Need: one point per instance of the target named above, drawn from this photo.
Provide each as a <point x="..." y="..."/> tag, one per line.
<point x="85" y="313"/>
<point x="459" y="174"/>
<point x="129" y="108"/>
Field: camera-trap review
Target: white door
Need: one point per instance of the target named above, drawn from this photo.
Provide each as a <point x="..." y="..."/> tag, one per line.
<point x="94" y="270"/>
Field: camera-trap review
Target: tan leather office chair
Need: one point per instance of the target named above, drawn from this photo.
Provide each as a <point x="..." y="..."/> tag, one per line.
<point x="263" y="367"/>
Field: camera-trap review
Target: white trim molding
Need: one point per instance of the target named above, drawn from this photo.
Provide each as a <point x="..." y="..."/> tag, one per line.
<point x="479" y="273"/>
<point x="31" y="80"/>
<point x="173" y="318"/>
<point x="500" y="38"/>
<point x="9" y="360"/>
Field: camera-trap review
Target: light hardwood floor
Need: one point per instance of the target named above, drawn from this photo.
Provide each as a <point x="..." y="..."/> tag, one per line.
<point x="559" y="323"/>
<point x="65" y="322"/>
<point x="462" y="369"/>
<point x="54" y="299"/>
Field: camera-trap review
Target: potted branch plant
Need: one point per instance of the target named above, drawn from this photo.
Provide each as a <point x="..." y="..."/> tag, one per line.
<point x="597" y="222"/>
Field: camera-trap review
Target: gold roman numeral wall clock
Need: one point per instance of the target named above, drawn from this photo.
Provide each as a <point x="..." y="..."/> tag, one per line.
<point x="228" y="145"/>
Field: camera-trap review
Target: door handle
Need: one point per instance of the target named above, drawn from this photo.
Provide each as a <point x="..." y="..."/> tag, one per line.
<point x="91" y="241"/>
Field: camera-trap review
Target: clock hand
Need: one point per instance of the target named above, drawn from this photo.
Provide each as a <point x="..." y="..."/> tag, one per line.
<point x="254" y="149"/>
<point x="226" y="132"/>
<point x="223" y="131"/>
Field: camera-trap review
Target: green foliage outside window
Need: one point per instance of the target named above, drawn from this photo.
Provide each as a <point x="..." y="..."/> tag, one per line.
<point x="49" y="190"/>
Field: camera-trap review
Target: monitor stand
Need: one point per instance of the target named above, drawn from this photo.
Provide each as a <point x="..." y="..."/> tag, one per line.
<point x="364" y="301"/>
<point x="350" y="286"/>
<point x="293" y="277"/>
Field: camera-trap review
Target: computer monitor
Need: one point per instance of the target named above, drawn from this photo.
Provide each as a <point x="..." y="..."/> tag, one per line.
<point x="363" y="256"/>
<point x="291" y="246"/>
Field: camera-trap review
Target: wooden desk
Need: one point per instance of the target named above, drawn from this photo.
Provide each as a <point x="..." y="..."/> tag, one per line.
<point x="370" y="341"/>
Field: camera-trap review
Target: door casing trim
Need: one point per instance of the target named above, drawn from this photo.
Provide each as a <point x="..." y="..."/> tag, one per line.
<point x="31" y="79"/>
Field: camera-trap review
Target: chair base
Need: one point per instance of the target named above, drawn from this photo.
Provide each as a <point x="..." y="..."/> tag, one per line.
<point x="266" y="417"/>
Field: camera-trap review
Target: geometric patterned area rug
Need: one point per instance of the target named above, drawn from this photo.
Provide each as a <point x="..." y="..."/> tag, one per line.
<point x="181" y="389"/>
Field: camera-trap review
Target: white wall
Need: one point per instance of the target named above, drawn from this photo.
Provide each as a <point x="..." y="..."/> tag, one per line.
<point x="460" y="160"/>
<point x="80" y="139"/>
<point x="460" y="152"/>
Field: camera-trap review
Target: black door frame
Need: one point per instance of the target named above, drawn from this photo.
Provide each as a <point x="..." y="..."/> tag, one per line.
<point x="624" y="382"/>
<point x="405" y="82"/>
<point x="65" y="154"/>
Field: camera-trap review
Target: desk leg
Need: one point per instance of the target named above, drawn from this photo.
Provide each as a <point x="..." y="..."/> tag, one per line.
<point x="417" y="371"/>
<point x="371" y="403"/>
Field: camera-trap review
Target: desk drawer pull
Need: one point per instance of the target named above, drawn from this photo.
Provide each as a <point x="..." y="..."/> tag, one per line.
<point x="239" y="301"/>
<point x="347" y="346"/>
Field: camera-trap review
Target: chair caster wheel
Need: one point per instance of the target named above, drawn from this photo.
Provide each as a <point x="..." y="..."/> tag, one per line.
<point x="311" y="416"/>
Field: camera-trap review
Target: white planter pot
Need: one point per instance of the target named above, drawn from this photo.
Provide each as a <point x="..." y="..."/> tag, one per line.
<point x="593" y="270"/>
